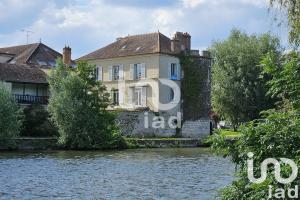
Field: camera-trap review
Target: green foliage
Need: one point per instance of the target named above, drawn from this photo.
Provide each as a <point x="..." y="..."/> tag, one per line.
<point x="194" y="86"/>
<point x="276" y="136"/>
<point x="78" y="108"/>
<point x="285" y="73"/>
<point x="10" y="116"/>
<point x="36" y="122"/>
<point x="238" y="91"/>
<point x="292" y="9"/>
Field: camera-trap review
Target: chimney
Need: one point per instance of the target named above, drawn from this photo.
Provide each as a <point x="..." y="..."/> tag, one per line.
<point x="67" y="56"/>
<point x="175" y="46"/>
<point x="187" y="41"/>
<point x="181" y="42"/>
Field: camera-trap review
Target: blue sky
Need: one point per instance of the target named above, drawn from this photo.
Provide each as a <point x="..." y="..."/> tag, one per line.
<point x="86" y="25"/>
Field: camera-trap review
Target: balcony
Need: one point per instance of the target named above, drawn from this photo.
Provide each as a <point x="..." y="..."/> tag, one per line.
<point x="30" y="99"/>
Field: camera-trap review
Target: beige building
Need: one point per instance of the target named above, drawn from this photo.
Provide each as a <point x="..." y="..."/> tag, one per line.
<point x="144" y="77"/>
<point x="131" y="68"/>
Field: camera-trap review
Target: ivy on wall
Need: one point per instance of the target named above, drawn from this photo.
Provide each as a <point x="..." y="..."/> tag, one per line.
<point x="195" y="87"/>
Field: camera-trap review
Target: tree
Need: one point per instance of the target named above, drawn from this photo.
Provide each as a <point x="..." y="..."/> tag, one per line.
<point x="10" y="116"/>
<point x="292" y="9"/>
<point x="78" y="108"/>
<point x="36" y="122"/>
<point x="238" y="91"/>
<point x="276" y="135"/>
<point x="285" y="81"/>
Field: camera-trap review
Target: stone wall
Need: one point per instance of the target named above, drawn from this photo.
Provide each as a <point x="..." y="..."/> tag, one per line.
<point x="132" y="123"/>
<point x="195" y="129"/>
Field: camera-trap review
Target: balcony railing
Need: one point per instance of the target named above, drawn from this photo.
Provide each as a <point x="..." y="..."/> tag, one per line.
<point x="30" y="99"/>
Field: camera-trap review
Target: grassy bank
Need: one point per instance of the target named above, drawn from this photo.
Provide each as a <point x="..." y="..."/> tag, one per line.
<point x="230" y="134"/>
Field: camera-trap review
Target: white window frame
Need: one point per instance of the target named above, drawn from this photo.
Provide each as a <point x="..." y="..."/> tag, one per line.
<point x="99" y="73"/>
<point x="137" y="71"/>
<point x="139" y="97"/>
<point x="115" y="72"/>
<point x="117" y="93"/>
<point x="137" y="100"/>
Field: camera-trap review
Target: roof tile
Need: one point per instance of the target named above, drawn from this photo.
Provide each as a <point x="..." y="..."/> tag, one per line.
<point x="133" y="45"/>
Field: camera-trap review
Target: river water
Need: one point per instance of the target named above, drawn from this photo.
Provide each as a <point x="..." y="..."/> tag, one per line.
<point x="193" y="173"/>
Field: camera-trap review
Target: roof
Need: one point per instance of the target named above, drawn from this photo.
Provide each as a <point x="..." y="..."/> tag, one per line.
<point x="37" y="54"/>
<point x="22" y="73"/>
<point x="133" y="45"/>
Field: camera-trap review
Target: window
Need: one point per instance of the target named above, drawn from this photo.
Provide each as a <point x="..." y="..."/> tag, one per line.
<point x="171" y="98"/>
<point x="138" y="97"/>
<point x="115" y="97"/>
<point x="115" y="73"/>
<point x="137" y="71"/>
<point x="98" y="73"/>
<point x="174" y="71"/>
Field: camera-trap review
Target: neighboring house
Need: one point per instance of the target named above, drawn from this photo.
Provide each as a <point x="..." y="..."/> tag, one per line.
<point x="24" y="70"/>
<point x="28" y="84"/>
<point x="131" y="69"/>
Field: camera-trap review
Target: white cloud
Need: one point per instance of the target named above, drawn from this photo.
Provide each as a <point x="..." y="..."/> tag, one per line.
<point x="196" y="3"/>
<point x="258" y="3"/>
<point x="193" y="3"/>
<point x="88" y="25"/>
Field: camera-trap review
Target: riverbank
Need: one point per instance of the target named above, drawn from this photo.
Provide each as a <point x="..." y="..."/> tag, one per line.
<point x="49" y="143"/>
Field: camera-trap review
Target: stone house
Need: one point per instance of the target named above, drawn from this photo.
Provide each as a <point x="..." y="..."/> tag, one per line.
<point x="133" y="68"/>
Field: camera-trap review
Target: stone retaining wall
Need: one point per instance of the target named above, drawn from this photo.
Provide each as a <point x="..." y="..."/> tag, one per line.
<point x="196" y="129"/>
<point x="132" y="123"/>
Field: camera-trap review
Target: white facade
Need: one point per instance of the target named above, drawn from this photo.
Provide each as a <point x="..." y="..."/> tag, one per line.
<point x="135" y="80"/>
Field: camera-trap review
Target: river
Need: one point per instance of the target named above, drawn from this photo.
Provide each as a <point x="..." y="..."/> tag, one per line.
<point x="191" y="173"/>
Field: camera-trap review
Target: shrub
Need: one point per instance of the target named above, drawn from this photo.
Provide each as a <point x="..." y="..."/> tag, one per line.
<point x="275" y="136"/>
<point x="36" y="122"/>
<point x="9" y="118"/>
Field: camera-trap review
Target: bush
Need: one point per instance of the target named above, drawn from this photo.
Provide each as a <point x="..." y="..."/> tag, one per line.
<point x="10" y="116"/>
<point x="36" y="122"/>
<point x="275" y="136"/>
<point x="78" y="108"/>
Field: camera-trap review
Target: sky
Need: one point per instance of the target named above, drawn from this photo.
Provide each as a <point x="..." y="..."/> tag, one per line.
<point x="87" y="25"/>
